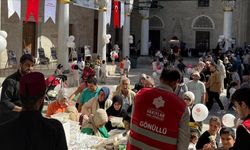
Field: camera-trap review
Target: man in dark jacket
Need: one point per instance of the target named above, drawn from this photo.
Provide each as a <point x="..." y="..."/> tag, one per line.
<point x="10" y="103"/>
<point x="241" y="102"/>
<point x="31" y="131"/>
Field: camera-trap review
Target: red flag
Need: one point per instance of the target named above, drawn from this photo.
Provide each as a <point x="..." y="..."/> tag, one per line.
<point x="32" y="7"/>
<point x="116" y="14"/>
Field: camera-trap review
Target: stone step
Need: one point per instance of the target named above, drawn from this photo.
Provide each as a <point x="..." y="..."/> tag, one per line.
<point x="144" y="60"/>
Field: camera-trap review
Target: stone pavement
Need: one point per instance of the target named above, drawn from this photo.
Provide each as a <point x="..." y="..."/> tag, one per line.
<point x="144" y="66"/>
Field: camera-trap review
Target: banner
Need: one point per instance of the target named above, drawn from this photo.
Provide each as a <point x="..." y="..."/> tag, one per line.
<point x="116" y="14"/>
<point x="109" y="10"/>
<point x="32" y="7"/>
<point x="50" y="10"/>
<point x="122" y="13"/>
<point x="14" y="6"/>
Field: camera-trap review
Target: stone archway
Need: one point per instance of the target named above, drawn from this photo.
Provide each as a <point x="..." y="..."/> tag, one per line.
<point x="203" y="22"/>
<point x="156" y="22"/>
<point x="155" y="26"/>
<point x="202" y="25"/>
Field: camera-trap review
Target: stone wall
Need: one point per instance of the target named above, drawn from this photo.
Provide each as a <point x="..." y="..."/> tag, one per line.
<point x="183" y="13"/>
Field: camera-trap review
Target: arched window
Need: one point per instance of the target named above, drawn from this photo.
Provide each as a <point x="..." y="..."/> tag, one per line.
<point x="155" y="22"/>
<point x="203" y="22"/>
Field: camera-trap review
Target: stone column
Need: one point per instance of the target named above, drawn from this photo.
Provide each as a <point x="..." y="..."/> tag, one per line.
<point x="144" y="6"/>
<point x="0" y="14"/>
<point x="101" y="47"/>
<point x="126" y="29"/>
<point x="228" y="6"/>
<point x="144" y="32"/>
<point x="242" y="24"/>
<point x="63" y="34"/>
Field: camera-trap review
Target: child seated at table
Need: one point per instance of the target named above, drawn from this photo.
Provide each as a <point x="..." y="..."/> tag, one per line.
<point x="59" y="105"/>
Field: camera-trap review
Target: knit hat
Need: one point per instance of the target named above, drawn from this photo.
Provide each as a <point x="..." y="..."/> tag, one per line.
<point x="32" y="85"/>
<point x="189" y="95"/>
<point x="100" y="117"/>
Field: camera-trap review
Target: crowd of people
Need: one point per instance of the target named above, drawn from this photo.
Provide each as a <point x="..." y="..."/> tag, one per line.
<point x="207" y="80"/>
<point x="153" y="116"/>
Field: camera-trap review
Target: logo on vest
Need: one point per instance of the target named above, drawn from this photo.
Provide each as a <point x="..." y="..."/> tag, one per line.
<point x="155" y="113"/>
<point x="158" y="102"/>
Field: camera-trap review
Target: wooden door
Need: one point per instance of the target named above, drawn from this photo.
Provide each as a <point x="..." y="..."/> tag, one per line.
<point x="202" y="43"/>
<point x="30" y="36"/>
<point x="155" y="39"/>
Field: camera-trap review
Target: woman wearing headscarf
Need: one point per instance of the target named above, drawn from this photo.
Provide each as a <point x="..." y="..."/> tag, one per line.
<point x="115" y="111"/>
<point x="95" y="125"/>
<point x="181" y="88"/>
<point x="100" y="101"/>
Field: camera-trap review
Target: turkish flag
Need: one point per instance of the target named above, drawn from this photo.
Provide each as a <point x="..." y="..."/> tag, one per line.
<point x="32" y="7"/>
<point x="116" y="14"/>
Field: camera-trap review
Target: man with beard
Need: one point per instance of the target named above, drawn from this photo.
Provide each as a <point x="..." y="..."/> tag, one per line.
<point x="31" y="131"/>
<point x="125" y="92"/>
<point x="10" y="103"/>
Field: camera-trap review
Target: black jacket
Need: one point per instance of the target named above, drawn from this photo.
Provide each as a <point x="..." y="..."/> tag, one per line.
<point x="204" y="139"/>
<point x="31" y="131"/>
<point x="242" y="138"/>
<point x="10" y="97"/>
